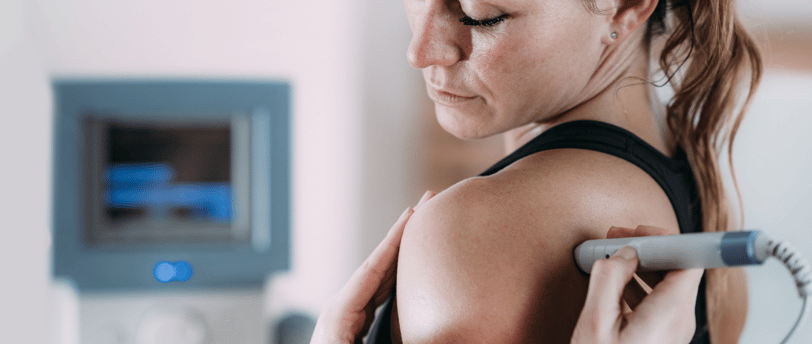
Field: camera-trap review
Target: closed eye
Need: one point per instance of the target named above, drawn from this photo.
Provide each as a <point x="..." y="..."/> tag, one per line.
<point x="482" y="22"/>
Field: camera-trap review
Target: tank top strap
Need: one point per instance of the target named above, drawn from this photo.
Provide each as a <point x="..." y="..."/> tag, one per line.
<point x="674" y="176"/>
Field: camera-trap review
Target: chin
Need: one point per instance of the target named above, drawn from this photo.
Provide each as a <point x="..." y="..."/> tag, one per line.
<point x="464" y="125"/>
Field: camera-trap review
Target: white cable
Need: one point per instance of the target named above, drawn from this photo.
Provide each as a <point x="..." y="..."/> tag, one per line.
<point x="801" y="272"/>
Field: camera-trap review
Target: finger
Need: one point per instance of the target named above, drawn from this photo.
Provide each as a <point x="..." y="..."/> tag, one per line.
<point x="644" y="230"/>
<point x="367" y="279"/>
<point x="426" y="196"/>
<point x="619" y="232"/>
<point x="606" y="283"/>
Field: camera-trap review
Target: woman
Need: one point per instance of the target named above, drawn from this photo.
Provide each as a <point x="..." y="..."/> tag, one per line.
<point x="568" y="83"/>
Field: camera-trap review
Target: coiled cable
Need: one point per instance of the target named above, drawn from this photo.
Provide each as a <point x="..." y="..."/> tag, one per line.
<point x="801" y="272"/>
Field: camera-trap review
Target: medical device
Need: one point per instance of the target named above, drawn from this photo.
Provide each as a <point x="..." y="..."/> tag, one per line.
<point x="151" y="171"/>
<point x="172" y="207"/>
<point x="706" y="251"/>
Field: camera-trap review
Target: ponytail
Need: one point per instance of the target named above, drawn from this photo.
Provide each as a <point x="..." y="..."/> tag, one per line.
<point x="706" y="110"/>
<point x="709" y="58"/>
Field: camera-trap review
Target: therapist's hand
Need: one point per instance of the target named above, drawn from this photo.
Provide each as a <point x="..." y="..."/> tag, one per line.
<point x="351" y="312"/>
<point x="666" y="315"/>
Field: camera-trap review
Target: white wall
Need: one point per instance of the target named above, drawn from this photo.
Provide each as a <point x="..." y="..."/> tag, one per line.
<point x="773" y="160"/>
<point x="787" y="13"/>
<point x="25" y="179"/>
<point x="395" y="105"/>
<point x="773" y="157"/>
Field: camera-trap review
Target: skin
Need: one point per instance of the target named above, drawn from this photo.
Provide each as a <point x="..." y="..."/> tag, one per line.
<point x="490" y="259"/>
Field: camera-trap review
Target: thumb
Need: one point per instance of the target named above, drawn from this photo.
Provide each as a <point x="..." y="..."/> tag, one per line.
<point x="606" y="283"/>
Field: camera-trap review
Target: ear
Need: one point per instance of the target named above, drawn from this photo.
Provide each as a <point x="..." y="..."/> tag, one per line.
<point x="629" y="15"/>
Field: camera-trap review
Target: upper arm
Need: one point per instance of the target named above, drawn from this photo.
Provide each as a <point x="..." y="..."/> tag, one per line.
<point x="463" y="273"/>
<point x="490" y="260"/>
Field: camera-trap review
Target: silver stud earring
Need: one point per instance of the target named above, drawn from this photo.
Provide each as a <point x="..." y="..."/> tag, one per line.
<point x="613" y="35"/>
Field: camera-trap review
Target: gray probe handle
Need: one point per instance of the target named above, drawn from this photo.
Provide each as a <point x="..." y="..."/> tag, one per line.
<point x="683" y="251"/>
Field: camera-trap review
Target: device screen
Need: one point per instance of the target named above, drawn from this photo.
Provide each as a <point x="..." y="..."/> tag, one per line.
<point x="159" y="180"/>
<point x="168" y="176"/>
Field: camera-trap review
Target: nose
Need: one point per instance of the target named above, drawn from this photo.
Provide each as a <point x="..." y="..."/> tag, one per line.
<point x="434" y="38"/>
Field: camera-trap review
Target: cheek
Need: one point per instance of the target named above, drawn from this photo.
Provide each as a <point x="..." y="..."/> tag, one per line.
<point x="538" y="72"/>
<point x="525" y="75"/>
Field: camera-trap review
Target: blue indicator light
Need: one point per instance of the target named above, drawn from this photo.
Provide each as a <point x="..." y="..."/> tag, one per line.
<point x="183" y="271"/>
<point x="166" y="272"/>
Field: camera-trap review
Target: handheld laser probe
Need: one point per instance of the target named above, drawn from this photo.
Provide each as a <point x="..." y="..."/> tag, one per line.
<point x="706" y="251"/>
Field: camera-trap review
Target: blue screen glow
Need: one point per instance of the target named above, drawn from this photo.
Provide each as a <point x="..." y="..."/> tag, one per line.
<point x="151" y="186"/>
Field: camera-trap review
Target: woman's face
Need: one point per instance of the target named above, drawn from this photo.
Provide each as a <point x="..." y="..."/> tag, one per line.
<point x="494" y="65"/>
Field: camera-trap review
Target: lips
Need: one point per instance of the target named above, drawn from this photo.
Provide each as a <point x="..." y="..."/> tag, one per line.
<point x="449" y="97"/>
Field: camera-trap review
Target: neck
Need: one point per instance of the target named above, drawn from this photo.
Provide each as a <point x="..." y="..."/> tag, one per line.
<point x="627" y="102"/>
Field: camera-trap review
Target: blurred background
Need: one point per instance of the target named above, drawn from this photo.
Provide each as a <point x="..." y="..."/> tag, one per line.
<point x="360" y="144"/>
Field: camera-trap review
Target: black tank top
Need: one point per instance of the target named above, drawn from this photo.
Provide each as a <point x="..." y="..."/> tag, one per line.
<point x="673" y="175"/>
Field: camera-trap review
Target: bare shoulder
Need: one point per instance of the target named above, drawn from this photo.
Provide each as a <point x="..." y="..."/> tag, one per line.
<point x="490" y="259"/>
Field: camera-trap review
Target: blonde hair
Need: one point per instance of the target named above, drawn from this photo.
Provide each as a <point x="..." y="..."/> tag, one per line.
<point x="707" y="57"/>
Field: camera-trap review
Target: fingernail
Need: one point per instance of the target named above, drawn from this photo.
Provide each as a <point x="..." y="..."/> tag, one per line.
<point x="425" y="197"/>
<point x="405" y="213"/>
<point x="627" y="252"/>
